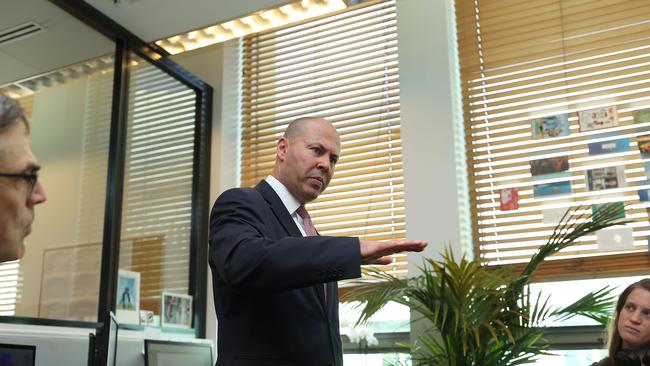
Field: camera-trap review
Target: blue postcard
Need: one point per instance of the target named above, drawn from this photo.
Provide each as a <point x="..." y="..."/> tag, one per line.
<point x="551" y="189"/>
<point x="550" y="126"/>
<point x="608" y="147"/>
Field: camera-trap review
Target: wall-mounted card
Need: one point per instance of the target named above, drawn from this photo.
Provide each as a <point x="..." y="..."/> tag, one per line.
<point x="553" y="215"/>
<point x="605" y="178"/>
<point x="644" y="193"/>
<point x="551" y="189"/>
<point x="550" y="126"/>
<point x="615" y="238"/>
<point x="509" y="198"/>
<point x="597" y="118"/>
<point x="643" y="143"/>
<point x="552" y="165"/>
<point x="609" y="147"/>
<point x="616" y="209"/>
<point x="641" y="115"/>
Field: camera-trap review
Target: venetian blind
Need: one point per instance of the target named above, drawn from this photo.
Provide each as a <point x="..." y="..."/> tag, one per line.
<point x="522" y="60"/>
<point x="342" y="67"/>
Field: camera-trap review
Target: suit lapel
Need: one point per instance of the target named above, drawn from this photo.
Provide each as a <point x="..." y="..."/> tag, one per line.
<point x="278" y="208"/>
<point x="284" y="217"/>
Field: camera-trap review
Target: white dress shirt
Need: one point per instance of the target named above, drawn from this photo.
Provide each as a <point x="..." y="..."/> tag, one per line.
<point x="289" y="201"/>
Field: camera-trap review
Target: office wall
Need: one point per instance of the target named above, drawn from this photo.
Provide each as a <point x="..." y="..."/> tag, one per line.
<point x="57" y="120"/>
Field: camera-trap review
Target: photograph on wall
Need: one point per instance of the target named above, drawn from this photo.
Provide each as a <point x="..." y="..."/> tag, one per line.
<point x="552" y="165"/>
<point x="609" y="147"/>
<point x="643" y="143"/>
<point x="644" y="192"/>
<point x="616" y="209"/>
<point x="509" y="198"/>
<point x="128" y="297"/>
<point x="550" y="126"/>
<point x="641" y="115"/>
<point x="176" y="310"/>
<point x="605" y="178"/>
<point x="551" y="189"/>
<point x="597" y="118"/>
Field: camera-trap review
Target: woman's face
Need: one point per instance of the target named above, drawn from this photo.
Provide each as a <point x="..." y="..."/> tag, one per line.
<point x="634" y="320"/>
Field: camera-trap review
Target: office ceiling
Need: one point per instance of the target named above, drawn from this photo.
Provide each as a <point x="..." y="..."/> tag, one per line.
<point x="64" y="40"/>
<point x="152" y="20"/>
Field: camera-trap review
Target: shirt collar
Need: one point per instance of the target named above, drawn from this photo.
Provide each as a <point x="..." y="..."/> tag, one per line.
<point x="290" y="202"/>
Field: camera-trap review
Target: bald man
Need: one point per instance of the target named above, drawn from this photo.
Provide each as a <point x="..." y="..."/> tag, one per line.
<point x="274" y="277"/>
<point x="20" y="190"/>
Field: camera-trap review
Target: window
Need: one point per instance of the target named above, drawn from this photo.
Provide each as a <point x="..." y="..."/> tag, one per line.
<point x="524" y="61"/>
<point x="342" y="67"/>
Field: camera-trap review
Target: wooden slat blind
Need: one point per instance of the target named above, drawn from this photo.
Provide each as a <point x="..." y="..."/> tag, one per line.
<point x="342" y="67"/>
<point x="522" y="60"/>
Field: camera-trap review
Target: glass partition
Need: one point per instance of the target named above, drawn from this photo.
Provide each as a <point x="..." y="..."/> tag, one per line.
<point x="61" y="71"/>
<point x="157" y="198"/>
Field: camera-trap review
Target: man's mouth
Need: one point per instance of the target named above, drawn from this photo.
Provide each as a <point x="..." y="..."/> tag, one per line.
<point x="318" y="180"/>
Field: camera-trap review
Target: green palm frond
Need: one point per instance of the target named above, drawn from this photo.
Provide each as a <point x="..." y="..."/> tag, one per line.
<point x="481" y="316"/>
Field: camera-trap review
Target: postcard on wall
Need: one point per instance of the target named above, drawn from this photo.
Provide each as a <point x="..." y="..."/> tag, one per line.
<point x="176" y="310"/>
<point x="605" y="178"/>
<point x="597" y="118"/>
<point x="128" y="297"/>
<point x="553" y="215"/>
<point x="552" y="165"/>
<point x="643" y="143"/>
<point x="617" y="209"/>
<point x="615" y="238"/>
<point x="609" y="147"/>
<point x="641" y="115"/>
<point x="551" y="189"/>
<point x="509" y="198"/>
<point x="644" y="190"/>
<point x="550" y="126"/>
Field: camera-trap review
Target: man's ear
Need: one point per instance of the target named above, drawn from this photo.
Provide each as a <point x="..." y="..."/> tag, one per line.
<point x="281" y="148"/>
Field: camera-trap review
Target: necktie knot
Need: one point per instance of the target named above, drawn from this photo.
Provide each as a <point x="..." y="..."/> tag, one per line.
<point x="302" y="212"/>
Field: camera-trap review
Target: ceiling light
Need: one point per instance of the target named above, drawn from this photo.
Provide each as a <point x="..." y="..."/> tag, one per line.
<point x="256" y="22"/>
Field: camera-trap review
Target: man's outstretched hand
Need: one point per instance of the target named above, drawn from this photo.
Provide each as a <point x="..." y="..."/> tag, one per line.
<point x="378" y="252"/>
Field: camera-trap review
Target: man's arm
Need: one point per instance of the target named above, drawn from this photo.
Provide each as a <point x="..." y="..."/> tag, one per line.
<point x="250" y="251"/>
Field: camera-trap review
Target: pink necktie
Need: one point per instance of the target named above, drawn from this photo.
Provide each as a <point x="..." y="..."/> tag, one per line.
<point x="310" y="230"/>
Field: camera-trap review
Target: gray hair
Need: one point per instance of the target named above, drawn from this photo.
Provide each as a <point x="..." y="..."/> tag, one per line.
<point x="10" y="112"/>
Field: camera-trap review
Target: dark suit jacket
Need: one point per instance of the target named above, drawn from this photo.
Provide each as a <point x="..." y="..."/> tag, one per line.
<point x="267" y="282"/>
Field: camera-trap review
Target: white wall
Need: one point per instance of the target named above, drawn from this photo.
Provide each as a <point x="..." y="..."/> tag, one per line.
<point x="430" y="115"/>
<point x="57" y="126"/>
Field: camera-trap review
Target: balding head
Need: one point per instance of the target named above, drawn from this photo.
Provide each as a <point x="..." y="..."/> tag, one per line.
<point x="306" y="157"/>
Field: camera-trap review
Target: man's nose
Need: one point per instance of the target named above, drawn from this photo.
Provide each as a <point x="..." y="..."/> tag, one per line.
<point x="38" y="196"/>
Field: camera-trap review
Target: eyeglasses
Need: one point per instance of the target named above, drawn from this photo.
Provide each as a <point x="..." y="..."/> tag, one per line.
<point x="30" y="178"/>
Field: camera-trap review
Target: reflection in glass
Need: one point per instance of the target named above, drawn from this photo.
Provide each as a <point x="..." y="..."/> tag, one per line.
<point x="157" y="197"/>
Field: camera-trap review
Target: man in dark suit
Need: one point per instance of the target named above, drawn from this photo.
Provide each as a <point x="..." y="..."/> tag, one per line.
<point x="274" y="278"/>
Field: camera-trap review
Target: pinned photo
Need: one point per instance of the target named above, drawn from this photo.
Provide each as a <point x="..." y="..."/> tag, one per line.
<point x="552" y="165"/>
<point x="509" y="198"/>
<point x="550" y="126"/>
<point x="598" y="118"/>
<point x="551" y="189"/>
<point x="605" y="178"/>
<point x="641" y="115"/>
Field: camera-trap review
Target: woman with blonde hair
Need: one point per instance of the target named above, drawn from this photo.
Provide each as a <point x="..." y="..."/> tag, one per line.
<point x="629" y="333"/>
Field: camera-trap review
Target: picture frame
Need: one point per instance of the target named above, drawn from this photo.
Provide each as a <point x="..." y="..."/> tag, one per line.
<point x="127" y="300"/>
<point x="176" y="310"/>
<point x="509" y="199"/>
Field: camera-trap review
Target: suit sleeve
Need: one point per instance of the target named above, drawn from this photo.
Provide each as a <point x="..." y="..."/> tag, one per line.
<point x="248" y="258"/>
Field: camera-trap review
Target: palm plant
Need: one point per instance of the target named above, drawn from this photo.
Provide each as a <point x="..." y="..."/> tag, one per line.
<point x="481" y="316"/>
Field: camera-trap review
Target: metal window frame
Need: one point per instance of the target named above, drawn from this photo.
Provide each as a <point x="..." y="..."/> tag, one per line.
<point x="125" y="43"/>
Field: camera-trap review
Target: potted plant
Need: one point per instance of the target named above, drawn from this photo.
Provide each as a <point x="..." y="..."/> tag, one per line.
<point x="480" y="316"/>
